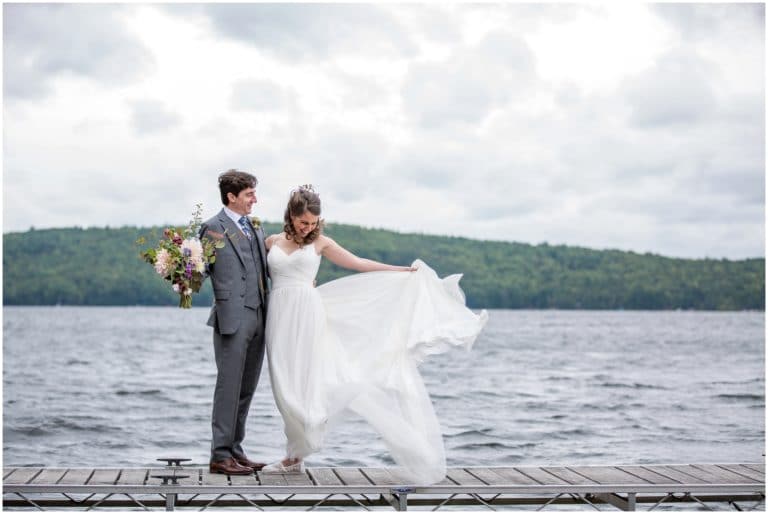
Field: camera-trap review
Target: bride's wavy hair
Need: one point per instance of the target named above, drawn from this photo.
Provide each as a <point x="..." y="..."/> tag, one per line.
<point x="303" y="199"/>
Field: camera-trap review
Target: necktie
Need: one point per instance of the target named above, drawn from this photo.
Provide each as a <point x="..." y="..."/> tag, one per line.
<point x="244" y="225"/>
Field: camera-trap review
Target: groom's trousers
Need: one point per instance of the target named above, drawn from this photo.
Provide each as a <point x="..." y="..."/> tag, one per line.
<point x="239" y="357"/>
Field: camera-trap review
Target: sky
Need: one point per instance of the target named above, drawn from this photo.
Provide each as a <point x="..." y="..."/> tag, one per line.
<point x="629" y="126"/>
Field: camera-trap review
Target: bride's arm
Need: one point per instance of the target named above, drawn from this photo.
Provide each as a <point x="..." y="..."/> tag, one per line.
<point x="344" y="258"/>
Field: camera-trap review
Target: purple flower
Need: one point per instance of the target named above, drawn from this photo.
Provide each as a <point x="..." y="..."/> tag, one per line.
<point x="188" y="271"/>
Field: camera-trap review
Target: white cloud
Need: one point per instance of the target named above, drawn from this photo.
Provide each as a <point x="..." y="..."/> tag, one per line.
<point x="637" y="127"/>
<point x="42" y="41"/>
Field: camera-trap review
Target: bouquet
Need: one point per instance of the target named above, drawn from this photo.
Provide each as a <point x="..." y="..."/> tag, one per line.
<point x="183" y="258"/>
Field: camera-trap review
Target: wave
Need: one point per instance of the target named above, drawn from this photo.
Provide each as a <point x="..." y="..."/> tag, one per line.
<point x="77" y="362"/>
<point x="470" y="433"/>
<point x="145" y="392"/>
<point x="57" y="425"/>
<point x="482" y="445"/>
<point x="741" y="396"/>
<point x="635" y="385"/>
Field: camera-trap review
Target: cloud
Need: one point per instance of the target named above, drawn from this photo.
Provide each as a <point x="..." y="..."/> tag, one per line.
<point x="261" y="95"/>
<point x="43" y="41"/>
<point x="301" y="32"/>
<point x="701" y="21"/>
<point x="152" y="116"/>
<point x="490" y="121"/>
<point x="677" y="89"/>
<point x="465" y="88"/>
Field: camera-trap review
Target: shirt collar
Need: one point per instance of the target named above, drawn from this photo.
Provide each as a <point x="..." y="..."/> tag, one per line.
<point x="234" y="216"/>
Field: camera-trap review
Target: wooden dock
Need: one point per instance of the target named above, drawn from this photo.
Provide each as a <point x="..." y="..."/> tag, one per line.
<point x="739" y="486"/>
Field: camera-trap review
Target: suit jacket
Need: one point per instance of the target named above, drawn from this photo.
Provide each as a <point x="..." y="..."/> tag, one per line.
<point x="228" y="275"/>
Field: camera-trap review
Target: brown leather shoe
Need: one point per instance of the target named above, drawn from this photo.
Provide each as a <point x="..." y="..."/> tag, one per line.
<point x="229" y="466"/>
<point x="243" y="461"/>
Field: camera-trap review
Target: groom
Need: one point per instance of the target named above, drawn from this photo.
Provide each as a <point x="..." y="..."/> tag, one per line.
<point x="238" y="316"/>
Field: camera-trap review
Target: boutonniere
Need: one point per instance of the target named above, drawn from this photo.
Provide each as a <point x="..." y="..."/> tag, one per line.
<point x="256" y="222"/>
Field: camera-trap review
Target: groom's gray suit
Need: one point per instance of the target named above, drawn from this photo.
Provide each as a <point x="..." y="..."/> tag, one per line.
<point x="239" y="278"/>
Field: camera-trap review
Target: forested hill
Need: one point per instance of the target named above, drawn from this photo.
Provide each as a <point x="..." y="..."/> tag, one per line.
<point x="101" y="266"/>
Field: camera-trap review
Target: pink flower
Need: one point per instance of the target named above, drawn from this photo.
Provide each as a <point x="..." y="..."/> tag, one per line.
<point x="163" y="262"/>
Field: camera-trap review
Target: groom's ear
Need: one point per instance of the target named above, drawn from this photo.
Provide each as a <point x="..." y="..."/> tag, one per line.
<point x="230" y="197"/>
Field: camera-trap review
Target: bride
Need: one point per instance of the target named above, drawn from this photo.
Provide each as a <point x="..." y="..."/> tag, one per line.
<point x="355" y="343"/>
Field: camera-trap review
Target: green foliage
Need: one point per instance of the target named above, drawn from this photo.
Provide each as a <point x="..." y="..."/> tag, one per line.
<point x="103" y="266"/>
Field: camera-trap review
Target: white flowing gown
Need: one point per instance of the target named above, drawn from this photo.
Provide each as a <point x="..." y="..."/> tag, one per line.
<point x="355" y="343"/>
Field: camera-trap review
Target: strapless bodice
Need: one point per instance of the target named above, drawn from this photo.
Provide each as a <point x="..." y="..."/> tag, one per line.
<point x="297" y="269"/>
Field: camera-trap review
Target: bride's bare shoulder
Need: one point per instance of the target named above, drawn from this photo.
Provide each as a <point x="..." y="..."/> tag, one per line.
<point x="272" y="239"/>
<point x="324" y="241"/>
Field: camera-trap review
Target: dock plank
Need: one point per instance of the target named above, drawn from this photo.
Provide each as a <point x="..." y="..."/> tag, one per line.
<point x="132" y="477"/>
<point x="50" y="476"/>
<point x="462" y="478"/>
<point x="22" y="476"/>
<point x="324" y="477"/>
<point x="399" y="475"/>
<point x="270" y="479"/>
<point x="76" y="476"/>
<point x="352" y="477"/>
<point x="725" y="476"/>
<point x="244" y="480"/>
<point x="104" y="476"/>
<point x="759" y="477"/>
<point x="214" y="479"/>
<point x="298" y="479"/>
<point x="380" y="476"/>
<point x="701" y="476"/>
<point x="7" y="471"/>
<point x="678" y="476"/>
<point x="514" y="477"/>
<point x="568" y="475"/>
<point x="646" y="474"/>
<point x="756" y="467"/>
<point x="487" y="476"/>
<point x="607" y="475"/>
<point x="541" y="476"/>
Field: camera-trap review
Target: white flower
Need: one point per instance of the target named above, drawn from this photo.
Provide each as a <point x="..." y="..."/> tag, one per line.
<point x="163" y="262"/>
<point x="195" y="248"/>
<point x="199" y="265"/>
<point x="175" y="287"/>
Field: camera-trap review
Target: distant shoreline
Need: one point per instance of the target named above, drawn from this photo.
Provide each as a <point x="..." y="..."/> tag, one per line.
<point x="102" y="266"/>
<point x="521" y="309"/>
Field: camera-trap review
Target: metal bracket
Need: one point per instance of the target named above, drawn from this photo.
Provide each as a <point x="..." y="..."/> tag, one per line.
<point x="174" y="461"/>
<point x="620" y="502"/>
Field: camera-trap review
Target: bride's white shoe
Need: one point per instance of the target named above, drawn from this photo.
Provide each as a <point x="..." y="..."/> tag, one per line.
<point x="278" y="467"/>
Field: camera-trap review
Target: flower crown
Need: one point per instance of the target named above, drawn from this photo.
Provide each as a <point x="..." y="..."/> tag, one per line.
<point x="307" y="188"/>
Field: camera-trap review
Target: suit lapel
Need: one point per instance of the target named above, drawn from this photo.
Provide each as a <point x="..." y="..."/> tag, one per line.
<point x="233" y="231"/>
<point x="260" y="244"/>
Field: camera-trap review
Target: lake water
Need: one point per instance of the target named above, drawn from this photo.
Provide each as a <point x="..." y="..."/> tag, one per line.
<point x="121" y="386"/>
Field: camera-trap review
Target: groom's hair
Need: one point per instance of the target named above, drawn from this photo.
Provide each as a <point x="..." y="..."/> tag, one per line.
<point x="235" y="181"/>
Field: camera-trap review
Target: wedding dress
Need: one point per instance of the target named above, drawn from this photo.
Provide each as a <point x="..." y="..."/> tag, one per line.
<point x="355" y="343"/>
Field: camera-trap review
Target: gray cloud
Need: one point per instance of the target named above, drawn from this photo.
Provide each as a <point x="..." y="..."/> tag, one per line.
<point x="152" y="116"/>
<point x="677" y="89"/>
<point x="466" y="87"/>
<point x="311" y="31"/>
<point x="42" y="41"/>
<point x="701" y="21"/>
<point x="672" y="161"/>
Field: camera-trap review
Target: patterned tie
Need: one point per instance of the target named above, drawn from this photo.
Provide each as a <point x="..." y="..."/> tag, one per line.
<point x="244" y="224"/>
